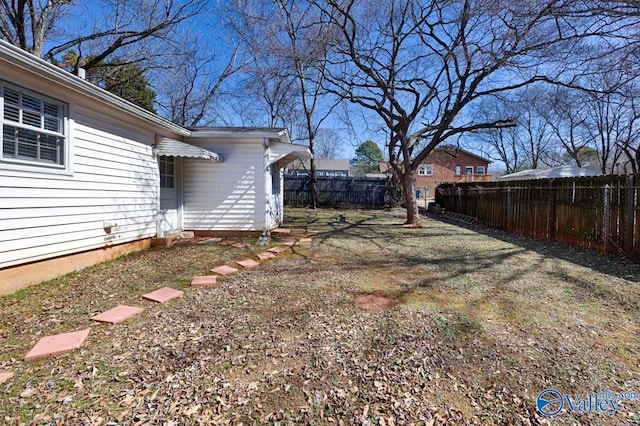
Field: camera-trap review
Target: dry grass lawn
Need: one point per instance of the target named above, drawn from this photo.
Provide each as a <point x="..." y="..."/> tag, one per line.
<point x="462" y="326"/>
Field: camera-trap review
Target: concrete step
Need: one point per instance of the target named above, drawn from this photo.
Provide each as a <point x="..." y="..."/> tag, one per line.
<point x="170" y="239"/>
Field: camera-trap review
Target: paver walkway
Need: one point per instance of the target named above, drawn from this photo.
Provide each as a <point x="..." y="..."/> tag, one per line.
<point x="57" y="344"/>
<point x="5" y="376"/>
<point x="61" y="343"/>
<point x="163" y="294"/>
<point x="266" y="255"/>
<point x="224" y="270"/>
<point x="204" y="281"/>
<point x="118" y="314"/>
<point x="248" y="263"/>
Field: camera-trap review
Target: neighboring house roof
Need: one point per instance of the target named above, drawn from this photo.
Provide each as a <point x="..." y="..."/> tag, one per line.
<point x="321" y="164"/>
<point x="173" y="148"/>
<point x="553" y="172"/>
<point x="384" y="167"/>
<point x="453" y="151"/>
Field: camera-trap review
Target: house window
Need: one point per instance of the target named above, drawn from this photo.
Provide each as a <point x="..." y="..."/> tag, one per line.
<point x="468" y="170"/>
<point x="458" y="170"/>
<point x="167" y="172"/>
<point x="425" y="170"/>
<point x="480" y="170"/>
<point x="33" y="127"/>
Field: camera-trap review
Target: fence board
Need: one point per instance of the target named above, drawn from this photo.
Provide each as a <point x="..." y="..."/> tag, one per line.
<point x="339" y="191"/>
<point x="566" y="209"/>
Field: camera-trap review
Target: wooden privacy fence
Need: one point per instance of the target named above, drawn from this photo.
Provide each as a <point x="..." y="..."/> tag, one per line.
<point x="334" y="191"/>
<point x="599" y="212"/>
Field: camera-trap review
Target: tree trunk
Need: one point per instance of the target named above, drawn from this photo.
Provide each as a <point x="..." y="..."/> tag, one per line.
<point x="313" y="186"/>
<point x="408" y="183"/>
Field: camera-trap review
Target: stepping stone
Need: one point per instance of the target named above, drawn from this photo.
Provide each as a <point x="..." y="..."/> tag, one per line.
<point x="204" y="281"/>
<point x="211" y="241"/>
<point x="281" y="231"/>
<point x="5" y="376"/>
<point x="312" y="233"/>
<point x="296" y="232"/>
<point x="224" y="270"/>
<point x="289" y="243"/>
<point x="227" y="243"/>
<point x="249" y="263"/>
<point x="266" y="255"/>
<point x="240" y="245"/>
<point x="277" y="250"/>
<point x="57" y="344"/>
<point x="288" y="238"/>
<point x="305" y="240"/>
<point x="163" y="294"/>
<point x="118" y="314"/>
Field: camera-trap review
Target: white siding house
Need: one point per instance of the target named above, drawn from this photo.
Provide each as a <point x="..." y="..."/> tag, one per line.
<point x="83" y="171"/>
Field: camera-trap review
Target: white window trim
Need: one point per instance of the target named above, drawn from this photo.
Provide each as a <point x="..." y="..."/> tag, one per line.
<point x="484" y="170"/>
<point x="466" y="169"/>
<point x="37" y="166"/>
<point x="167" y="161"/>
<point x="457" y="171"/>
<point x="425" y="170"/>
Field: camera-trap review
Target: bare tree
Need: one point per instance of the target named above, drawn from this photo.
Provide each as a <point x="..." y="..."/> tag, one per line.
<point x="615" y="128"/>
<point x="532" y="143"/>
<point x="566" y="113"/>
<point x="290" y="35"/>
<point x="421" y="65"/>
<point x="191" y="87"/>
<point x="111" y="26"/>
<point x="328" y="144"/>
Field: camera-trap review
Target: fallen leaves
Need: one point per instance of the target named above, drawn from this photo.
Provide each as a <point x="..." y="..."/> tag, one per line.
<point x="286" y="343"/>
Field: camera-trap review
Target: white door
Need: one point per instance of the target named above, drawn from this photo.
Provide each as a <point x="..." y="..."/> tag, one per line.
<point x="170" y="213"/>
<point x="275" y="199"/>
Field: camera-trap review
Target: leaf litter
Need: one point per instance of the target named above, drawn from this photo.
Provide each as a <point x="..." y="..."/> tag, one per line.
<point x="467" y="326"/>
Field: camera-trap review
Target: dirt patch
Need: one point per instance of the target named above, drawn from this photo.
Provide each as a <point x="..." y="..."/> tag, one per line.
<point x="375" y="302"/>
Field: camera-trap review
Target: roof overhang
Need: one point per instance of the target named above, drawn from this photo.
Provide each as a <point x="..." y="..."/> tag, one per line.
<point x="173" y="148"/>
<point x="273" y="134"/>
<point x="282" y="153"/>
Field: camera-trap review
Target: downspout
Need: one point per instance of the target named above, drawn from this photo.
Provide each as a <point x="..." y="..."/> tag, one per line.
<point x="159" y="231"/>
<point x="266" y="231"/>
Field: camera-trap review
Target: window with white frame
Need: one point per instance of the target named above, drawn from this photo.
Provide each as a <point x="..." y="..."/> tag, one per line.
<point x="468" y="170"/>
<point x="33" y="127"/>
<point x="458" y="170"/>
<point x="480" y="170"/>
<point x="425" y="170"/>
<point x="167" y="172"/>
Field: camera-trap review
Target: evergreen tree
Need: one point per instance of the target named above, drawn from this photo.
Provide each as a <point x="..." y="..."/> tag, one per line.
<point x="367" y="157"/>
<point x="123" y="79"/>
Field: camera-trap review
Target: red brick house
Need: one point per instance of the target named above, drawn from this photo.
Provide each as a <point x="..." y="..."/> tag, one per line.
<point x="448" y="164"/>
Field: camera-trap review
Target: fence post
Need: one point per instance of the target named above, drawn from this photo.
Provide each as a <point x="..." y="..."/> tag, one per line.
<point x="606" y="218"/>
<point x="508" y="208"/>
<point x="460" y="200"/>
<point x="552" y="220"/>
<point x="629" y="245"/>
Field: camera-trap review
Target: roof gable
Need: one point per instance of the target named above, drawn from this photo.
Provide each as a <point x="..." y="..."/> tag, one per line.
<point x="455" y="151"/>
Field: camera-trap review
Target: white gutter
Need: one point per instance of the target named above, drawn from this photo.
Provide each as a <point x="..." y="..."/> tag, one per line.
<point x="242" y="133"/>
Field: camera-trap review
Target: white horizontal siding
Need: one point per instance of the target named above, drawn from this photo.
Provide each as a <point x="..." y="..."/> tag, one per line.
<point x="229" y="196"/>
<point x="115" y="180"/>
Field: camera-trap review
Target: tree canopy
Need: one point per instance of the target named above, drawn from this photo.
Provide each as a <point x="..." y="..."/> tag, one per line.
<point x="529" y="83"/>
<point x="367" y="157"/>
